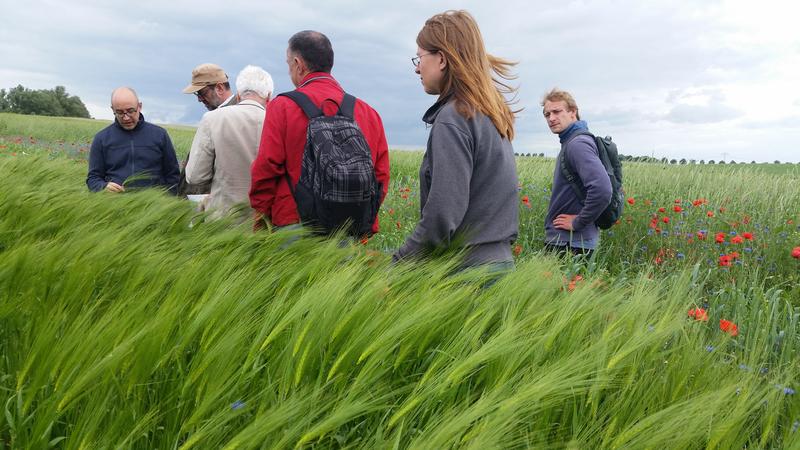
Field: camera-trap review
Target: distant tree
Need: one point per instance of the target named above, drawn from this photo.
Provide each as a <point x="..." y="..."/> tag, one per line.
<point x="692" y="161"/>
<point x="44" y="102"/>
<point x="664" y="160"/>
<point x="702" y="161"/>
<point x="682" y="161"/>
<point x="3" y="101"/>
<point x="777" y="162"/>
<point x="721" y="162"/>
<point x="711" y="161"/>
<point x="752" y="162"/>
<point x="541" y="155"/>
<point x="732" y="162"/>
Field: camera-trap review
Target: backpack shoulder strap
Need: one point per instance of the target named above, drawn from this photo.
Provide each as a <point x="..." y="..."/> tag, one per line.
<point x="348" y="106"/>
<point x="566" y="169"/>
<point x="305" y="103"/>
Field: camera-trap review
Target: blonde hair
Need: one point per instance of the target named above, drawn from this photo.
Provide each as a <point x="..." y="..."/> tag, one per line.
<point x="557" y="95"/>
<point x="468" y="74"/>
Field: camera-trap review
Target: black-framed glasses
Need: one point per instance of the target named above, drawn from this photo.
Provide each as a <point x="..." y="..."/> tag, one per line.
<point x="202" y="92"/>
<point x="127" y="112"/>
<point x="415" y="60"/>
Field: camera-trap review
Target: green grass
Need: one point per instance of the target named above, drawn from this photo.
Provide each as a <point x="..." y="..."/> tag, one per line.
<point x="68" y="134"/>
<point x="122" y="326"/>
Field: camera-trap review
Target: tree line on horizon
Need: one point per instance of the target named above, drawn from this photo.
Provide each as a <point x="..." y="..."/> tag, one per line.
<point x="44" y="102"/>
<point x="651" y="159"/>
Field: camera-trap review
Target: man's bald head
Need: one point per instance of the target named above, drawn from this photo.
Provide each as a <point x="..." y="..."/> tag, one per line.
<point x="126" y="106"/>
<point x="122" y="94"/>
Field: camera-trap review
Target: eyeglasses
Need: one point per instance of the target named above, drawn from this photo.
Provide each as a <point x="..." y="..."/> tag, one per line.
<point x="202" y="92"/>
<point x="415" y="60"/>
<point x="128" y="112"/>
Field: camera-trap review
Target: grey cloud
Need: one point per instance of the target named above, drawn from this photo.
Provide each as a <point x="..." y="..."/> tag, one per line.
<point x="699" y="114"/>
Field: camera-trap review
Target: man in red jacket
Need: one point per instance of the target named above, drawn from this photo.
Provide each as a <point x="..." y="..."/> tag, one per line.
<point x="283" y="138"/>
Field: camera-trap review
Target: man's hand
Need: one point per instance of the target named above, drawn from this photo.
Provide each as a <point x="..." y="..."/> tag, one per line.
<point x="564" y="221"/>
<point x="114" y="187"/>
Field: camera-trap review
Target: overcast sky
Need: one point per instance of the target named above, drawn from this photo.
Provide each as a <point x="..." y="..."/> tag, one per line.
<point x="664" y="78"/>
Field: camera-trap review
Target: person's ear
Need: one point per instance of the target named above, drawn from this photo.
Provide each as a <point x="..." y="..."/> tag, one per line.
<point x="442" y="61"/>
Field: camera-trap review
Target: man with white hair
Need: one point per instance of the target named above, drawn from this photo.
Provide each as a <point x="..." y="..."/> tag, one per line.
<point x="226" y="142"/>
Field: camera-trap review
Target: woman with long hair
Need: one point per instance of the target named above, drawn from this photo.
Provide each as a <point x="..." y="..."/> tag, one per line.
<point x="468" y="177"/>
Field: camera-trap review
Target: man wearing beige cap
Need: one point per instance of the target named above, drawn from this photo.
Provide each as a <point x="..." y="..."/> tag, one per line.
<point x="210" y="85"/>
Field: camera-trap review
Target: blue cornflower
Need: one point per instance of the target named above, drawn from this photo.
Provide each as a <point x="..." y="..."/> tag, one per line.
<point x="732" y="233"/>
<point x="649" y="231"/>
<point x="238" y="404"/>
<point x="795" y="425"/>
<point x="764" y="370"/>
<point x="644" y="248"/>
<point x="748" y="250"/>
<point x="680" y="256"/>
<point x="664" y="233"/>
<point x="709" y="348"/>
<point x="788" y="391"/>
<point x="744" y="367"/>
<point x="651" y="328"/>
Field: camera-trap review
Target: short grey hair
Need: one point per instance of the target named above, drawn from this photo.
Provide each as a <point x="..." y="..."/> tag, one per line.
<point x="256" y="80"/>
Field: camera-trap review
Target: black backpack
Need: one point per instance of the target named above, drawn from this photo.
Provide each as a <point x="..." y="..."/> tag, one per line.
<point x="337" y="189"/>
<point x="609" y="156"/>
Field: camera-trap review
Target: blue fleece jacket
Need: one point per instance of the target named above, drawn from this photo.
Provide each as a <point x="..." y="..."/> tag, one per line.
<point x="145" y="151"/>
<point x="582" y="155"/>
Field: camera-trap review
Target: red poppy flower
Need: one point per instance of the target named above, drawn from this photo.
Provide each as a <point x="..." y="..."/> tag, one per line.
<point x="734" y="255"/>
<point x="677" y="208"/>
<point x="701" y="236"/>
<point x="662" y="209"/>
<point x="648" y="202"/>
<point x="725" y="261"/>
<point x="398" y="225"/>
<point x="677" y="200"/>
<point x="517" y="250"/>
<point x="698" y="314"/>
<point x="631" y="201"/>
<point x="720" y="238"/>
<point x="722" y="209"/>
<point x="657" y="230"/>
<point x="525" y="199"/>
<point x="404" y="196"/>
<point x="747" y="235"/>
<point x="728" y="327"/>
<point x="574" y="283"/>
<point x="364" y="241"/>
<point x="737" y="239"/>
<point x="665" y="219"/>
<point x="391" y="211"/>
<point x="710" y="213"/>
<point x="796" y="253"/>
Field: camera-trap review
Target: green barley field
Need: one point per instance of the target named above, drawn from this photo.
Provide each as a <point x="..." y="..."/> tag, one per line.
<point x="129" y="321"/>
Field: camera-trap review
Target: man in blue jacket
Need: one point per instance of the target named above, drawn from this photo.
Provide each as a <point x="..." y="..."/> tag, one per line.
<point x="569" y="225"/>
<point x="131" y="148"/>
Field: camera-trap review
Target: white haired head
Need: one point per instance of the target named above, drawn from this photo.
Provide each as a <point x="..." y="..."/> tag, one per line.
<point x="255" y="80"/>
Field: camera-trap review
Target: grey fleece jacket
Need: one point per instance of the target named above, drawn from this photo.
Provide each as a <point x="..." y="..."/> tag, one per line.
<point x="468" y="189"/>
